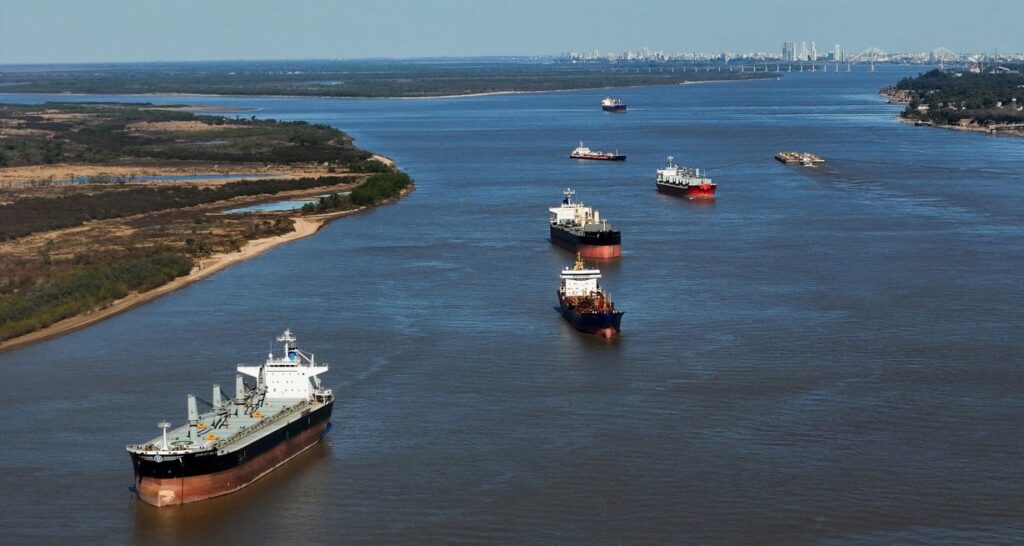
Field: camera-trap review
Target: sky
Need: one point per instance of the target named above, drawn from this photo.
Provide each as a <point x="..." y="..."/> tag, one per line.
<point x="59" y="31"/>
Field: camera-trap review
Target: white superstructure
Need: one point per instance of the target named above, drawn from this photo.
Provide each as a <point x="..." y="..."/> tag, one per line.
<point x="682" y="176"/>
<point x="293" y="375"/>
<point x="570" y="214"/>
<point x="583" y="150"/>
<point x="611" y="102"/>
<point x="580" y="281"/>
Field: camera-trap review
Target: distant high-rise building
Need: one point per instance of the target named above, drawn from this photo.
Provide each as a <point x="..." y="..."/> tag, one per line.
<point x="788" y="51"/>
<point x="838" y="56"/>
<point x="803" y="51"/>
<point x="814" y="53"/>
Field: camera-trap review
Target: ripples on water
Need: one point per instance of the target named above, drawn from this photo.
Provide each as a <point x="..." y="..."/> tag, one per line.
<point x="821" y="356"/>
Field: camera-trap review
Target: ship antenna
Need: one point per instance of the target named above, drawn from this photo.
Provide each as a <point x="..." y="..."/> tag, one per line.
<point x="579" y="262"/>
<point x="164" y="425"/>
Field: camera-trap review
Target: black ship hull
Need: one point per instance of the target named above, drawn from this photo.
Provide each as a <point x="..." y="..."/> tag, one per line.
<point x="178" y="479"/>
<point x="593" y="244"/>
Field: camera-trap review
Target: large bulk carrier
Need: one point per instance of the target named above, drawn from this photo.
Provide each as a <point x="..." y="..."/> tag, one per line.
<point x="585" y="304"/>
<point x="580" y="229"/>
<point x="241" y="438"/>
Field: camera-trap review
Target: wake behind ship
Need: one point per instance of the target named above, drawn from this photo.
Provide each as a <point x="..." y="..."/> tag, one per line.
<point x="580" y="229"/>
<point x="240" y="439"/>
<point x="585" y="304"/>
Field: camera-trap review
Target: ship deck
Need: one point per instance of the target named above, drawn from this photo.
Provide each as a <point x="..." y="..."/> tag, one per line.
<point x="222" y="431"/>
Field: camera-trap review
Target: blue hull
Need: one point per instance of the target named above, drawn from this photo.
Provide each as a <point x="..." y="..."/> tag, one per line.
<point x="607" y="323"/>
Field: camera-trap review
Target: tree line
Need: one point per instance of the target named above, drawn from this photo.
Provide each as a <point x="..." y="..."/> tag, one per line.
<point x="82" y="291"/>
<point x="953" y="96"/>
<point x="34" y="214"/>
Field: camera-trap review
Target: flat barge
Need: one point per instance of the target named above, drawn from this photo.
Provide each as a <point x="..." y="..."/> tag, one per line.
<point x="806" y="159"/>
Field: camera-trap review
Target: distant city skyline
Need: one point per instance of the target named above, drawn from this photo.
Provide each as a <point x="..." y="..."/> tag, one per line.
<point x="54" y="31"/>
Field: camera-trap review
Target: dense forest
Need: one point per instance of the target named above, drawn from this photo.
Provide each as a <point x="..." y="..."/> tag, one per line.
<point x="946" y="98"/>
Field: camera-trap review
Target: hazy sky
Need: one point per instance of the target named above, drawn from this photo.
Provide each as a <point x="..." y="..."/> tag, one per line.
<point x="34" y="31"/>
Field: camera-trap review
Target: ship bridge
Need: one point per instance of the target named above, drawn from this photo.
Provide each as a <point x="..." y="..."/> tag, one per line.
<point x="580" y="281"/>
<point x="293" y="375"/>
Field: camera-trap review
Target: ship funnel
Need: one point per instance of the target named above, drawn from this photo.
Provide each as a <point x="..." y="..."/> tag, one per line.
<point x="217" y="401"/>
<point x="239" y="389"/>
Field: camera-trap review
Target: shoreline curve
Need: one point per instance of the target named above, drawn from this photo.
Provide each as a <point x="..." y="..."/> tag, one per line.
<point x="305" y="226"/>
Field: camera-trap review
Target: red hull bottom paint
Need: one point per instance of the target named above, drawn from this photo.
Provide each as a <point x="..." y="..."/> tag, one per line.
<point x="174" y="491"/>
<point x="603" y="252"/>
<point x="692" y="192"/>
<point x="606" y="333"/>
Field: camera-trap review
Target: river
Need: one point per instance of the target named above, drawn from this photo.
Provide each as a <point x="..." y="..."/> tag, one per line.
<point x="832" y="355"/>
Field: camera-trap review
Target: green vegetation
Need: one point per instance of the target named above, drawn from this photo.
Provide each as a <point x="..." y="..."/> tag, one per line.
<point x="376" y="189"/>
<point x="135" y="237"/>
<point x="35" y="214"/>
<point x="354" y="78"/>
<point x="91" y="133"/>
<point x="946" y="98"/>
<point x="85" y="290"/>
<point x="379" y="187"/>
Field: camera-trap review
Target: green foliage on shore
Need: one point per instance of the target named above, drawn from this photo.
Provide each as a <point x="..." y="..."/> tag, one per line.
<point x="379" y="187"/>
<point x="377" y="78"/>
<point x="93" y="133"/>
<point x="951" y="97"/>
<point x="34" y="214"/>
<point x="376" y="189"/>
<point x="328" y="203"/>
<point x="82" y="291"/>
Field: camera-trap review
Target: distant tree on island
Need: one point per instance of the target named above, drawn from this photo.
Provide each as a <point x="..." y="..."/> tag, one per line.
<point x="947" y="98"/>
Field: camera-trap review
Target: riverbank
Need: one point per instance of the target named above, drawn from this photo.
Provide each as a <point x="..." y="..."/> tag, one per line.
<point x="981" y="102"/>
<point x="210" y="173"/>
<point x="305" y="226"/>
<point x="995" y="130"/>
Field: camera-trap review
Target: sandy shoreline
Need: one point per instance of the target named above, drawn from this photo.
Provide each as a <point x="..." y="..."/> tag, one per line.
<point x="304" y="227"/>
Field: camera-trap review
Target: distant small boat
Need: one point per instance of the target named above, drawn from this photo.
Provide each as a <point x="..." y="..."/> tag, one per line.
<point x="582" y="152"/>
<point x="612" y="104"/>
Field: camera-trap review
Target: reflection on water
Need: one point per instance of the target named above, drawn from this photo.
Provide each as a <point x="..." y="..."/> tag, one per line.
<point x="820" y="356"/>
<point x="299" y="480"/>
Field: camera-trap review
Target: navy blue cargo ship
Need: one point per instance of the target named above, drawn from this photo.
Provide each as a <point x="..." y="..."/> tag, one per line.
<point x="585" y="304"/>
